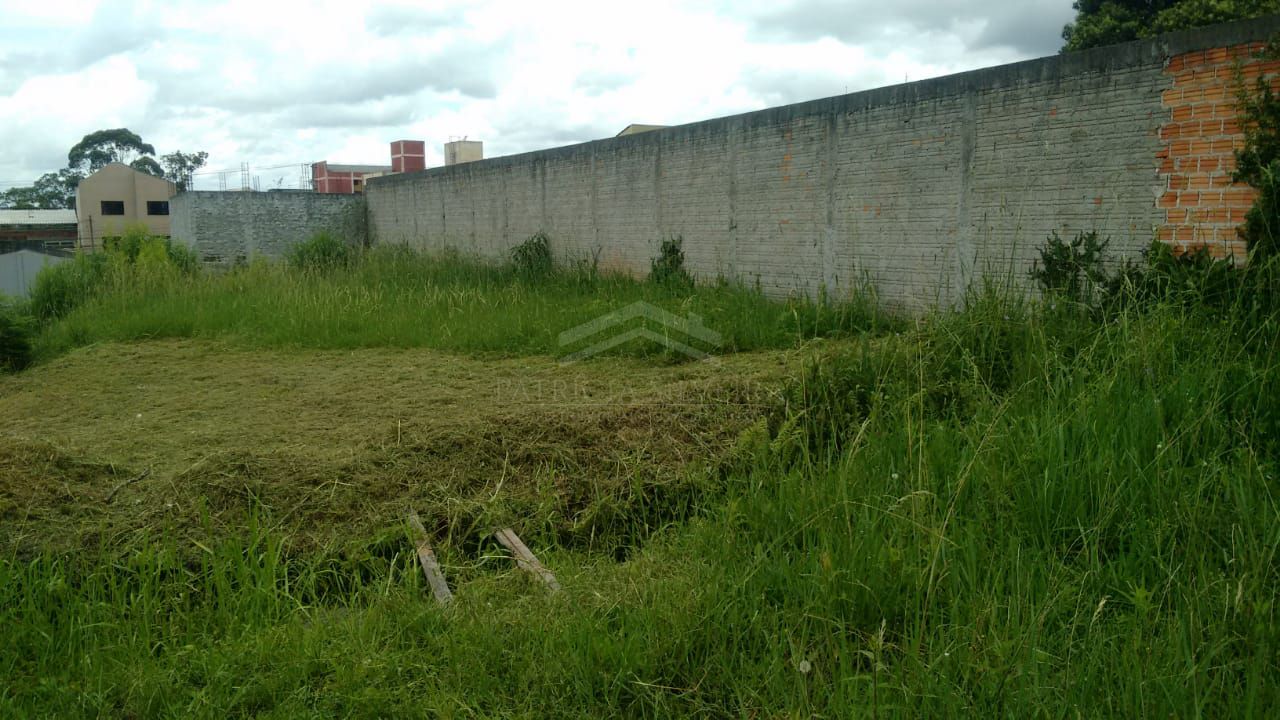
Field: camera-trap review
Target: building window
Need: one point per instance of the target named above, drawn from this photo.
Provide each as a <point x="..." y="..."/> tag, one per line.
<point x="112" y="207"/>
<point x="157" y="207"/>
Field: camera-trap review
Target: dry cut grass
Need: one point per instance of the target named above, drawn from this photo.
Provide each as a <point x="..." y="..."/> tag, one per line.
<point x="334" y="445"/>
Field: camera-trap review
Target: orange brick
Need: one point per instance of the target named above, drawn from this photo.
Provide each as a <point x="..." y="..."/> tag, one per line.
<point x="1210" y="216"/>
<point x="1178" y="182"/>
<point x="1167" y="165"/>
<point x="1216" y="55"/>
<point x="1220" y="181"/>
<point x="1170" y="96"/>
<point x="1168" y="200"/>
<point x="1238" y="197"/>
<point x="1203" y="111"/>
<point x="1175" y="64"/>
<point x="1231" y="127"/>
<point x="1253" y="71"/>
<point x="1208" y="164"/>
<point x="1176" y="215"/>
<point x="1211" y="128"/>
<point x="1215" y="94"/>
<point x="1246" y="51"/>
<point x="1200" y="147"/>
<point x="1224" y="111"/>
<point x="1182" y="113"/>
<point x="1180" y="148"/>
<point x="1188" y="199"/>
<point x="1209" y="197"/>
<point x="1219" y="251"/>
<point x="1184" y="234"/>
<point x="1198" y="182"/>
<point x="1235" y="216"/>
<point x="1222" y="147"/>
<point x="1165" y="234"/>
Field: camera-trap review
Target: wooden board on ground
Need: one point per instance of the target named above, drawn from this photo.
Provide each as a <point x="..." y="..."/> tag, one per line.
<point x="524" y="558"/>
<point x="430" y="567"/>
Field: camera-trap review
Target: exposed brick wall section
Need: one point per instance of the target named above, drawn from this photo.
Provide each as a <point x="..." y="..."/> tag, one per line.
<point x="1202" y="206"/>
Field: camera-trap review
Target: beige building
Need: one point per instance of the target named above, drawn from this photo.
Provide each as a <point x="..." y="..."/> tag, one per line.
<point x="117" y="196"/>
<point x="463" y="151"/>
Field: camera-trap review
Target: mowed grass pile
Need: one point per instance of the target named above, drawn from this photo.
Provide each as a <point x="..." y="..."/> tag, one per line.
<point x="394" y="297"/>
<point x="1006" y="512"/>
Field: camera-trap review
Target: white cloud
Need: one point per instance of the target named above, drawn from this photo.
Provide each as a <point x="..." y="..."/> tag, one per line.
<point x="283" y="83"/>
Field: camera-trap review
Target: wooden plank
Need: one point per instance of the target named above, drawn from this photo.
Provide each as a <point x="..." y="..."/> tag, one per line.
<point x="140" y="476"/>
<point x="524" y="558"/>
<point x="430" y="567"/>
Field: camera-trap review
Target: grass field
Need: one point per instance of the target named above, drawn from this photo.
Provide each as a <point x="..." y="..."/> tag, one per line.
<point x="402" y="299"/>
<point x="1013" y="510"/>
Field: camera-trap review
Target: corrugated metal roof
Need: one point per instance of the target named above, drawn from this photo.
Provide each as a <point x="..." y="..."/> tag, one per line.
<point x="37" y="217"/>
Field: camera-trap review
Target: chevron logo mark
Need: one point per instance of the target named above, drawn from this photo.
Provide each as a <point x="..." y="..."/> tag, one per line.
<point x="673" y="332"/>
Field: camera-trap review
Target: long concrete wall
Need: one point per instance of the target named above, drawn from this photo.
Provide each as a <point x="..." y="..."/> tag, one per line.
<point x="227" y="227"/>
<point x="919" y="188"/>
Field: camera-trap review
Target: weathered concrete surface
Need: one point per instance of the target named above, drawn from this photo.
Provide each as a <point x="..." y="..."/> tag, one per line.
<point x="225" y="227"/>
<point x="919" y="188"/>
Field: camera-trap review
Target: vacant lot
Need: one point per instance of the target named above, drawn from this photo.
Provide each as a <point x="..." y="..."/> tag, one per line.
<point x="341" y="444"/>
<point x="1011" y="510"/>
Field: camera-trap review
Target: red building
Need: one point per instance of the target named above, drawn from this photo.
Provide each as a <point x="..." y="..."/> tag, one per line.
<point x="343" y="179"/>
<point x="406" y="156"/>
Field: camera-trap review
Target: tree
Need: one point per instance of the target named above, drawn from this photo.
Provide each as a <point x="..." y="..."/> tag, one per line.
<point x="96" y="149"/>
<point x="1107" y="22"/>
<point x="91" y="154"/>
<point x="148" y="165"/>
<point x="180" y="166"/>
<point x="52" y="191"/>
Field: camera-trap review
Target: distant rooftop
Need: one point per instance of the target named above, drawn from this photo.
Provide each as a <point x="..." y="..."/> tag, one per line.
<point x="37" y="217"/>
<point x="635" y="128"/>
<point x="359" y="168"/>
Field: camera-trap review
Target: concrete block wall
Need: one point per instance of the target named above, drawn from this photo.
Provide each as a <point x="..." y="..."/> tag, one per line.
<point x="918" y="188"/>
<point x="226" y="227"/>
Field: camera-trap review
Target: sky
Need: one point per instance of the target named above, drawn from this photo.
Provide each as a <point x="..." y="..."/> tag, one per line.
<point x="278" y="84"/>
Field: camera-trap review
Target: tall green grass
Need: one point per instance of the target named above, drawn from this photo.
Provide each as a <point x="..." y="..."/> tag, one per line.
<point x="397" y="298"/>
<point x="1011" y="511"/>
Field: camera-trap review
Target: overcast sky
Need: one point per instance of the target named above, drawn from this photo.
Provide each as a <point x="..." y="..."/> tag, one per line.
<point x="278" y="83"/>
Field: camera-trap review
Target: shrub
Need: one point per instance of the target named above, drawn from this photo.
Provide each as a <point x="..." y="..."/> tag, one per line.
<point x="668" y="267"/>
<point x="1258" y="161"/>
<point x="61" y="288"/>
<point x="129" y="244"/>
<point x="183" y="258"/>
<point x="15" y="338"/>
<point x="323" y="251"/>
<point x="1071" y="269"/>
<point x="532" y="258"/>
